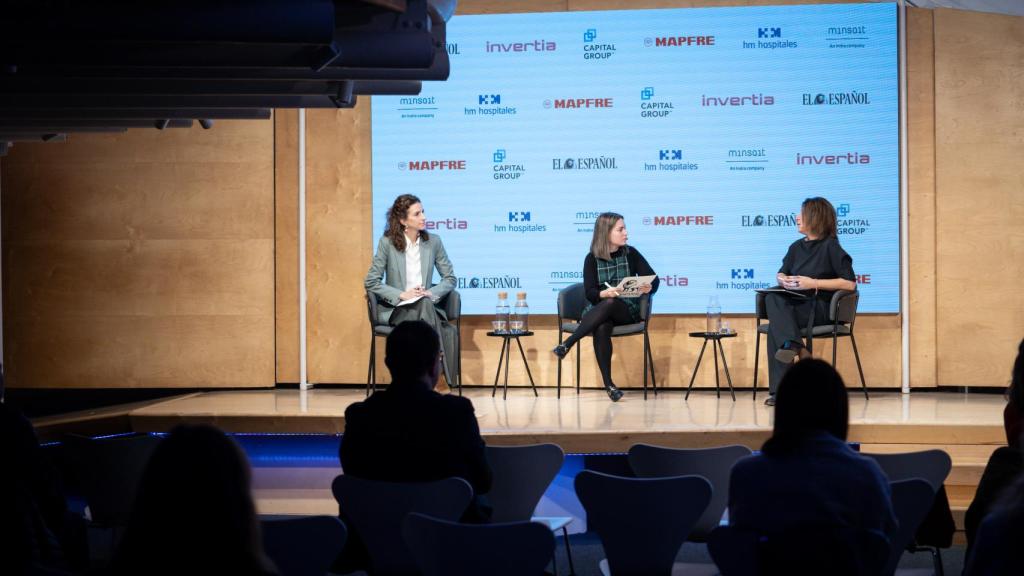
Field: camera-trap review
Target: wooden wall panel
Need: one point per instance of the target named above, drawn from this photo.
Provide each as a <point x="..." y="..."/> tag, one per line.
<point x="921" y="156"/>
<point x="286" y="243"/>
<point x="142" y="259"/>
<point x="979" y="120"/>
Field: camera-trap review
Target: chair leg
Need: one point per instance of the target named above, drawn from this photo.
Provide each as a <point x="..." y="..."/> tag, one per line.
<point x="578" y="352"/>
<point x="558" y="393"/>
<point x="834" y="338"/>
<point x="856" y="356"/>
<point x="373" y="359"/>
<point x="650" y="358"/>
<point x="757" y="358"/>
<point x="646" y="364"/>
<point x="568" y="551"/>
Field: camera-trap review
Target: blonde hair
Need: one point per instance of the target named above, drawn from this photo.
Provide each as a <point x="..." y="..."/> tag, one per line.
<point x="819" y="217"/>
<point x="602" y="229"/>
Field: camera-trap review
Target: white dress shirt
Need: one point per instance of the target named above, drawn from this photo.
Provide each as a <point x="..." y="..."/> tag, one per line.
<point x="413" y="269"/>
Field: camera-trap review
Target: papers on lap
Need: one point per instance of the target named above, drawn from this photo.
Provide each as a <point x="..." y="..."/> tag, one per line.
<point x="781" y="290"/>
<point x="630" y="285"/>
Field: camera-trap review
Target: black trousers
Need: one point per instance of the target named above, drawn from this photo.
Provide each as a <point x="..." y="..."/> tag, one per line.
<point x="787" y="316"/>
<point x="599" y="321"/>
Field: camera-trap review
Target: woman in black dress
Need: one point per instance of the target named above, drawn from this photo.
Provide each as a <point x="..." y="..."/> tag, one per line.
<point x="610" y="260"/>
<point x="816" y="264"/>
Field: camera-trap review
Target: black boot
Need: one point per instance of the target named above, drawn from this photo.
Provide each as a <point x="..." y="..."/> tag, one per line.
<point x="614" y="393"/>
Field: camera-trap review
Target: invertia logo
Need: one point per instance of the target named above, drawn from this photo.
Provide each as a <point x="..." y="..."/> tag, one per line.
<point x="528" y="46"/>
<point x="675" y="281"/>
<point x="560" y="103"/>
<point x="432" y="165"/>
<point x="447" y="224"/>
<point x="663" y="41"/>
<point x="847" y="158"/>
<point x="752" y="100"/>
<point x="680" y="221"/>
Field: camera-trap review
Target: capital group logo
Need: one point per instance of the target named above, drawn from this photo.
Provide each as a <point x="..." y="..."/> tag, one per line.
<point x="746" y="159"/>
<point x="448" y="224"/>
<point x="577" y="103"/>
<point x="489" y="105"/>
<point x="844" y="36"/>
<point x="843" y="210"/>
<point x="654" y="108"/>
<point x="417" y="106"/>
<point x="670" y="160"/>
<point x="853" y="98"/>
<point x="769" y="38"/>
<point x="585" y="163"/>
<point x="506" y="171"/>
<point x="768" y="220"/>
<point x="734" y="101"/>
<point x="679" y="41"/>
<point x="847" y="224"/>
<point x="835" y="159"/>
<point x="488" y="282"/>
<point x="688" y="220"/>
<point x="432" y="165"/>
<point x="741" y="279"/>
<point x="523" y="46"/>
<point x="521" y="222"/>
<point x="594" y="50"/>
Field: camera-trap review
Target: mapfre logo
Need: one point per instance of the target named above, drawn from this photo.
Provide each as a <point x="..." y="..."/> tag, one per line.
<point x="432" y="165"/>
<point x="838" y="159"/>
<point x="679" y="220"/>
<point x="577" y="103"/>
<point x="667" y="41"/>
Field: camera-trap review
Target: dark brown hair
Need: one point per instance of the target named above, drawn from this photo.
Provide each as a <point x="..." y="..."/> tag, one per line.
<point x="393" y="228"/>
<point x="812" y="398"/>
<point x="819" y="217"/>
<point x="602" y="228"/>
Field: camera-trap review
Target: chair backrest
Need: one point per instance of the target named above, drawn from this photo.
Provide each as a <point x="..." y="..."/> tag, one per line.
<point x="930" y="465"/>
<point x="843" y="308"/>
<point x="520" y="474"/>
<point x="443" y="548"/>
<point x="303" y="546"/>
<point x="802" y="550"/>
<point x="109" y="471"/>
<point x="371" y="309"/>
<point x="760" y="309"/>
<point x="453" y="305"/>
<point x="642" y="522"/>
<point x="712" y="464"/>
<point x="646" y="305"/>
<point x="911" y="500"/>
<point x="571" y="301"/>
<point x="375" y="511"/>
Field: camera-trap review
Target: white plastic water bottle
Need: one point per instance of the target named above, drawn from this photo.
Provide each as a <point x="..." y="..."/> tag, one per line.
<point x="714" y="315"/>
<point x="501" y="313"/>
<point x="519" y="321"/>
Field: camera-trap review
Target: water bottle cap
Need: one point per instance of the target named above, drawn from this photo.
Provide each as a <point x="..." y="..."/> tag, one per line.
<point x="502" y="295"/>
<point x="520" y="295"/>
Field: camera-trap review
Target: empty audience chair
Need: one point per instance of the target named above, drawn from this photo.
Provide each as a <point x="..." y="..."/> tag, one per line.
<point x="930" y="465"/>
<point x="712" y="464"/>
<point x="452" y="304"/>
<point x="911" y="500"/>
<point x="842" y="315"/>
<point x="571" y="301"/>
<point x="521" y="475"/>
<point x="642" y="522"/>
<point x="109" y="470"/>
<point x="376" y="511"/>
<point x="443" y="548"/>
<point x="303" y="546"/>
<point x="807" y="550"/>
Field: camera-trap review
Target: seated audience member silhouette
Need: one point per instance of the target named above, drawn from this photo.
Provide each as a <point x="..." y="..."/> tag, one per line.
<point x="409" y="432"/>
<point x="994" y="551"/>
<point x="1007" y="463"/>
<point x="194" y="512"/>
<point x="807" y="477"/>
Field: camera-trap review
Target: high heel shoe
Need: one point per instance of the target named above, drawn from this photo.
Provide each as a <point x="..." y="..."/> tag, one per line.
<point x="560" y="351"/>
<point x="614" y="393"/>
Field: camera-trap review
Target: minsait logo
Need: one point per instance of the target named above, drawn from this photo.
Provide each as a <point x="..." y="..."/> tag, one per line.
<point x="594" y="50"/>
<point x="432" y="165"/>
<point x="685" y="41"/>
<point x="746" y="159"/>
<point x="847" y="36"/>
<point x="853" y="98"/>
<point x="651" y="107"/>
<point x="741" y="279"/>
<point x="769" y="38"/>
<point x="489" y="105"/>
<point x="670" y="160"/>
<point x="520" y="222"/>
<point x="417" y="106"/>
<point x="839" y="159"/>
<point x="506" y="171"/>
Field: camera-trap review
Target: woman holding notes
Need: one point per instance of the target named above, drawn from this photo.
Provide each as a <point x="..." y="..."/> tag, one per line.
<point x="815" y="266"/>
<point x="611" y="261"/>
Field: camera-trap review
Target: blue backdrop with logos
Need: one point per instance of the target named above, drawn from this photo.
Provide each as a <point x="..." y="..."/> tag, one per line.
<point x="705" y="127"/>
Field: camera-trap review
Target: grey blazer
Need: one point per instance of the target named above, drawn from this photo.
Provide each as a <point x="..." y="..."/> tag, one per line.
<point x="389" y="265"/>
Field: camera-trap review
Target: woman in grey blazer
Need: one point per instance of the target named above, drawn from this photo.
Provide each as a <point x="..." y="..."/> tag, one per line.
<point x="403" y="269"/>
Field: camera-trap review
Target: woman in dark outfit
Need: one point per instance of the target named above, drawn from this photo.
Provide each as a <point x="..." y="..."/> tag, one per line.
<point x="610" y="260"/>
<point x="815" y="263"/>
